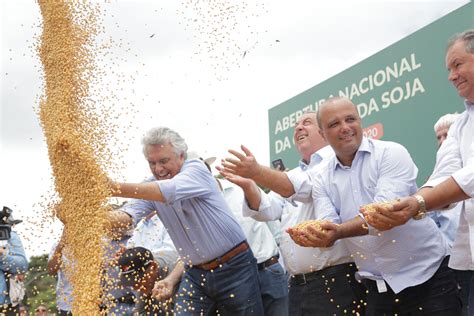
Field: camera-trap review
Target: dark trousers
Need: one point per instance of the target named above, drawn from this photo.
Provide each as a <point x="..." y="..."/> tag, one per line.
<point x="64" y="313"/>
<point x="9" y="310"/>
<point x="437" y="296"/>
<point x="331" y="291"/>
<point x="465" y="279"/>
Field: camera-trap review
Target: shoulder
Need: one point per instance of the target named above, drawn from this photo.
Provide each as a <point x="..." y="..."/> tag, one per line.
<point x="384" y="145"/>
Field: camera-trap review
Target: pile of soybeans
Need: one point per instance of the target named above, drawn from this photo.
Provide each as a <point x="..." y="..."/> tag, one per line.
<point x="76" y="139"/>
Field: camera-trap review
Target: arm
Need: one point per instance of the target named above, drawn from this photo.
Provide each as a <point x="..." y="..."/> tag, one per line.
<point x="119" y="220"/>
<point x="248" y="186"/>
<point x="165" y="288"/>
<point x="331" y="229"/>
<point x="55" y="259"/>
<point x="245" y="165"/>
<point x="145" y="190"/>
<point x="328" y="233"/>
<point x="270" y="208"/>
<point x="403" y="210"/>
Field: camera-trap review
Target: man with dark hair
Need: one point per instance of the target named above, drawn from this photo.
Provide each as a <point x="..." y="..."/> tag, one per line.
<point x="221" y="271"/>
<point x="139" y="271"/>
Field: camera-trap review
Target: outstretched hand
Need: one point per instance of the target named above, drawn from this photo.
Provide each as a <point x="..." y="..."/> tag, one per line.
<point x="242" y="164"/>
<point x="235" y="179"/>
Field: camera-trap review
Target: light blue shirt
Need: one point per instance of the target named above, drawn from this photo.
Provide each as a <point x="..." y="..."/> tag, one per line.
<point x="447" y="222"/>
<point x="195" y="214"/>
<point x="404" y="256"/>
<point x="12" y="261"/>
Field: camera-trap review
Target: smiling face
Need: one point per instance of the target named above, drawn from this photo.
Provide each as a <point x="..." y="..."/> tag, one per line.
<point x="163" y="161"/>
<point x="341" y="128"/>
<point x="305" y="135"/>
<point x="460" y="64"/>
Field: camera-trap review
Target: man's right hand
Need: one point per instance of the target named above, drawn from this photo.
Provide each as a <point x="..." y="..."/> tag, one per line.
<point x="163" y="289"/>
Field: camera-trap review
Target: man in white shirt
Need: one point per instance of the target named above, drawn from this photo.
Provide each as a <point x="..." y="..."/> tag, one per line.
<point x="152" y="235"/>
<point x="453" y="176"/>
<point x="404" y="269"/>
<point x="272" y="277"/>
<point x="322" y="280"/>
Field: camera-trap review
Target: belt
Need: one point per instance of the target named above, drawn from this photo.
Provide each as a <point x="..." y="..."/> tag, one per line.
<point x="300" y="279"/>
<point x="269" y="262"/>
<point x="215" y="263"/>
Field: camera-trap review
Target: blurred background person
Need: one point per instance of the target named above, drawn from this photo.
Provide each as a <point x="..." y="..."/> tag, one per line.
<point x="55" y="266"/>
<point x="13" y="262"/>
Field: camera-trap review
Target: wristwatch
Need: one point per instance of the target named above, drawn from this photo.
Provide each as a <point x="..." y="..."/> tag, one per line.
<point x="421" y="207"/>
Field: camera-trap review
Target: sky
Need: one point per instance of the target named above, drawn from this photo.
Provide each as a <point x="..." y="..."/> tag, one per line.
<point x="211" y="70"/>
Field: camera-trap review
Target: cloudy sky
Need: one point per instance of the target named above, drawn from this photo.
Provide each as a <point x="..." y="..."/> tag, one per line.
<point x="209" y="69"/>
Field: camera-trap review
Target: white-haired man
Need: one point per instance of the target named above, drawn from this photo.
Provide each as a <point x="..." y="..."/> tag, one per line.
<point x="221" y="271"/>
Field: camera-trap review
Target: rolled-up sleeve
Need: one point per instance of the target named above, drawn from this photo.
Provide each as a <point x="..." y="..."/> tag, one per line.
<point x="465" y="179"/>
<point x="448" y="161"/>
<point x="302" y="185"/>
<point x="194" y="180"/>
<point x="270" y="208"/>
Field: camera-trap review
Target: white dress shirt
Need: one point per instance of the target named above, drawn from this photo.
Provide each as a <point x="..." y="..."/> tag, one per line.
<point x="259" y="235"/>
<point x="455" y="158"/>
<point x="152" y="235"/>
<point x="297" y="259"/>
<point x="403" y="256"/>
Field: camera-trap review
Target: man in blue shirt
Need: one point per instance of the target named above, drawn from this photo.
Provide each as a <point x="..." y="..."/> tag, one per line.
<point x="221" y="271"/>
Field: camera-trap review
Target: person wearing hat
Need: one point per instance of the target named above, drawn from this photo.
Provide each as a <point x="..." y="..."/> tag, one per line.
<point x="218" y="260"/>
<point x="139" y="270"/>
<point x="13" y="262"/>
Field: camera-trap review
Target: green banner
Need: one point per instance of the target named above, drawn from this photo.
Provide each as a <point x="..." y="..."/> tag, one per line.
<point x="400" y="93"/>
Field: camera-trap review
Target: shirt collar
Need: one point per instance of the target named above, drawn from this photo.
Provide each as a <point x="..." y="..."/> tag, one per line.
<point x="469" y="105"/>
<point x="364" y="147"/>
<point x="316" y="157"/>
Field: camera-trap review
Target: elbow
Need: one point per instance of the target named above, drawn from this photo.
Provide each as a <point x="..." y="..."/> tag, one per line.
<point x="287" y="192"/>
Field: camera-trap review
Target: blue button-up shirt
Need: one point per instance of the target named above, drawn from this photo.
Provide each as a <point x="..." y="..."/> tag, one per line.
<point x="12" y="261"/>
<point x="404" y="256"/>
<point x="195" y="214"/>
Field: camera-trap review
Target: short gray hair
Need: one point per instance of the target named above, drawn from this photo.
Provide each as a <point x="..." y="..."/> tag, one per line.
<point x="162" y="136"/>
<point x="467" y="37"/>
<point x="445" y="121"/>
